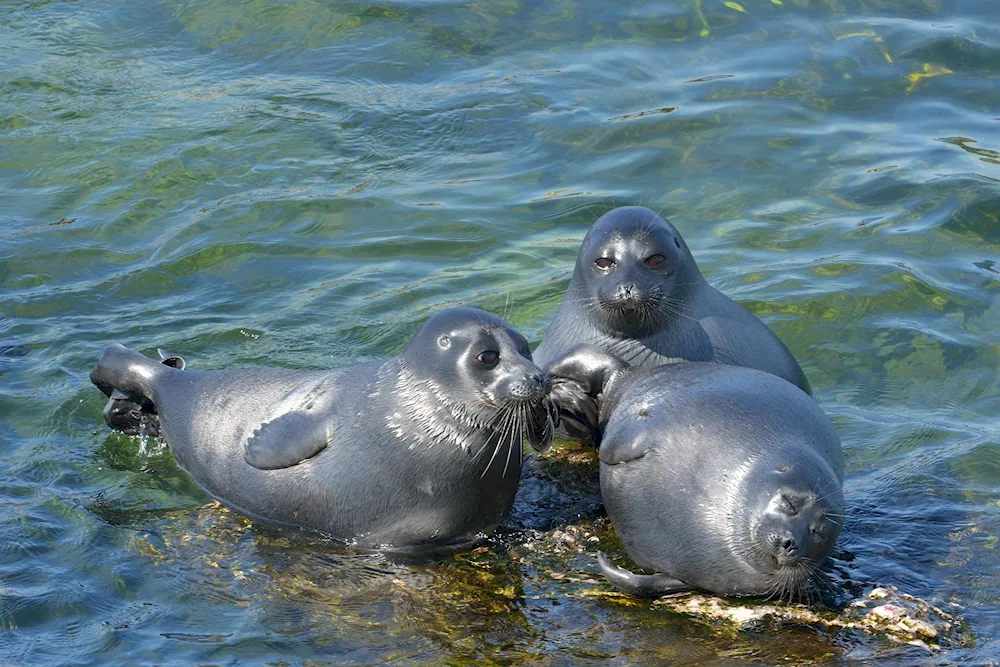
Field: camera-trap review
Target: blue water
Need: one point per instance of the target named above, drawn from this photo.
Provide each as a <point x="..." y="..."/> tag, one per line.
<point x="300" y="184"/>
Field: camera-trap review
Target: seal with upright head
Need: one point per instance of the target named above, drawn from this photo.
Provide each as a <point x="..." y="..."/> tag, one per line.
<point x="637" y="293"/>
<point x="420" y="452"/>
<point x="715" y="477"/>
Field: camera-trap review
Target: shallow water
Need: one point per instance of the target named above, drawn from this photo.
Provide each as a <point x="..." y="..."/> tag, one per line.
<point x="299" y="184"/>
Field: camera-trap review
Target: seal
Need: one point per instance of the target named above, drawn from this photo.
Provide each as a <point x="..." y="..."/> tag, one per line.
<point x="417" y="453"/>
<point x="637" y="293"/>
<point x="715" y="477"/>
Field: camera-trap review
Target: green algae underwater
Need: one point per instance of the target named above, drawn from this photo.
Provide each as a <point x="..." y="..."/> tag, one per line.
<point x="301" y="184"/>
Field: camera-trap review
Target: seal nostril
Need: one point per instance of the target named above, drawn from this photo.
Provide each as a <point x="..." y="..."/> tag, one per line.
<point x="788" y="544"/>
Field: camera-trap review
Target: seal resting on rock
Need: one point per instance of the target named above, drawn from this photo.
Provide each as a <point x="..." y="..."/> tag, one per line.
<point x="715" y="477"/>
<point x="637" y="293"/>
<point x="420" y="452"/>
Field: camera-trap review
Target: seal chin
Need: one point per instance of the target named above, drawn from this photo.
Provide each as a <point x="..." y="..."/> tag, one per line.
<point x="635" y="315"/>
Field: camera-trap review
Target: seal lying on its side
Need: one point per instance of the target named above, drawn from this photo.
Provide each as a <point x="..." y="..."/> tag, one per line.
<point x="637" y="293"/>
<point x="417" y="453"/>
<point x="716" y="477"/>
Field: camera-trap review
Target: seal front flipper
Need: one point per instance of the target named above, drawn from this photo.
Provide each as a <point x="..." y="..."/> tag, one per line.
<point x="579" y="378"/>
<point x="622" y="450"/>
<point x="286" y="441"/>
<point x="539" y="428"/>
<point x="640" y="585"/>
<point x="577" y="411"/>
<point x="587" y="364"/>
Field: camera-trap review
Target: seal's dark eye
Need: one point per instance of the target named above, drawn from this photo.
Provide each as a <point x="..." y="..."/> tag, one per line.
<point x="654" y="261"/>
<point x="489" y="357"/>
<point x="604" y="263"/>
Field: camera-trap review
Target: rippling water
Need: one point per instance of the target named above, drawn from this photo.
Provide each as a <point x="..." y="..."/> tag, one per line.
<point x="301" y="183"/>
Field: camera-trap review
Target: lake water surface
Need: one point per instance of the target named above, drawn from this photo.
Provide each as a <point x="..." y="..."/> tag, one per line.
<point x="300" y="184"/>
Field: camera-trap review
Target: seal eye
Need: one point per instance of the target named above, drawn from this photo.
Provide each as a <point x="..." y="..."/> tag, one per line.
<point x="444" y="342"/>
<point x="604" y="263"/>
<point x="489" y="357"/>
<point x="654" y="261"/>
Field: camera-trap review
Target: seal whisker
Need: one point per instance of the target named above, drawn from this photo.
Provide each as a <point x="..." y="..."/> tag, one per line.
<point x="514" y="435"/>
<point x="499" y="433"/>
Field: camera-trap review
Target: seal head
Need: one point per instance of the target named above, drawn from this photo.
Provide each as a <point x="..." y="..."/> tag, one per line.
<point x="637" y="293"/>
<point x="632" y="266"/>
<point x="478" y="368"/>
<point x="784" y="517"/>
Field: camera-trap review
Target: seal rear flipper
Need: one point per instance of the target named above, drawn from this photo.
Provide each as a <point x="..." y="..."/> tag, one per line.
<point x="286" y="441"/>
<point x="172" y="360"/>
<point x="128" y="371"/>
<point x="132" y="415"/>
<point x="640" y="585"/>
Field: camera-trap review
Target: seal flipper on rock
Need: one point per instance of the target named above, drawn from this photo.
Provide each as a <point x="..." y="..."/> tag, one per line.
<point x="286" y="441"/>
<point x="640" y="585"/>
